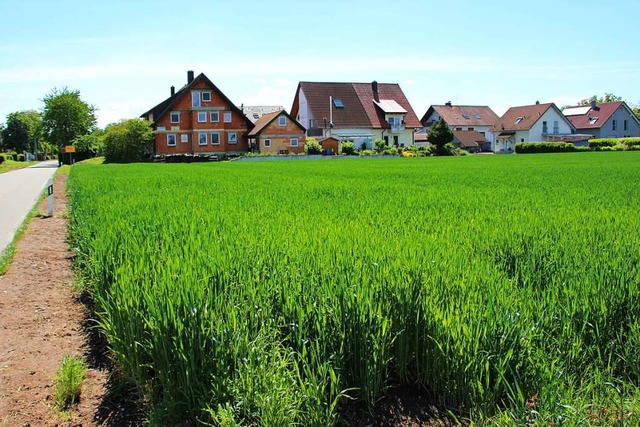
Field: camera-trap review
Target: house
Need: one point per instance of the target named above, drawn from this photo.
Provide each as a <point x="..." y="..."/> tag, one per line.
<point x="198" y="119"/>
<point x="606" y="120"/>
<point x="529" y="123"/>
<point x="471" y="141"/>
<point x="478" y="118"/>
<point x="358" y="112"/>
<point x="279" y="133"/>
<point x="254" y="112"/>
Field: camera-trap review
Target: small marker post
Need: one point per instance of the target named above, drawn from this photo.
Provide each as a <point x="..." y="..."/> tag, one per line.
<point x="50" y="192"/>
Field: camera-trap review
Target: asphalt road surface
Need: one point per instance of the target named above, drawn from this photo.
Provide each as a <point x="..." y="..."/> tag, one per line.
<point x="19" y="191"/>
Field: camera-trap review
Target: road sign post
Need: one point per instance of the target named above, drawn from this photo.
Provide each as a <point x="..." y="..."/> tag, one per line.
<point x="50" y="192"/>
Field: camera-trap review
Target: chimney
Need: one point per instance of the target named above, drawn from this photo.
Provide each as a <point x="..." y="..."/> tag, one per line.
<point x="594" y="104"/>
<point x="374" y="87"/>
<point x="173" y="90"/>
<point x="448" y="103"/>
<point x="537" y="102"/>
<point x="189" y="76"/>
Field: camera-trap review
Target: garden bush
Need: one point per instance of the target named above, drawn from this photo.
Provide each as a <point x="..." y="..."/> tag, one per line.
<point x="348" y="148"/>
<point x="21" y="157"/>
<point x="547" y="147"/>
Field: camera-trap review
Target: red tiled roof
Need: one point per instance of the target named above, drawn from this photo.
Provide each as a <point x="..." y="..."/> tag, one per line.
<point x="357" y="98"/>
<point x="454" y="115"/>
<point x="469" y="138"/>
<point x="265" y="120"/>
<point x="523" y="117"/>
<point x="602" y="112"/>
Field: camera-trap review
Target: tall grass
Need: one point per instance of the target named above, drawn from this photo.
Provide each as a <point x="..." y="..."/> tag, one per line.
<point x="265" y="293"/>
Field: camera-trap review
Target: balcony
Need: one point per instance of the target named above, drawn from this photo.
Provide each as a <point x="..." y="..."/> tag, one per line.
<point x="397" y="128"/>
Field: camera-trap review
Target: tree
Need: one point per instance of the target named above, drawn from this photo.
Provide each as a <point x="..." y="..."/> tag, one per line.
<point x="128" y="141"/>
<point x="90" y="145"/>
<point x="440" y="135"/>
<point x="22" y="130"/>
<point x="607" y="97"/>
<point x="66" y="117"/>
<point x="636" y="110"/>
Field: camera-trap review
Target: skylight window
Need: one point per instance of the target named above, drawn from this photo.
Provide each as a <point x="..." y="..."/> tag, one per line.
<point x="338" y="103"/>
<point x="477" y="116"/>
<point x="519" y="119"/>
<point x="466" y="116"/>
<point x="593" y="120"/>
<point x="256" y="115"/>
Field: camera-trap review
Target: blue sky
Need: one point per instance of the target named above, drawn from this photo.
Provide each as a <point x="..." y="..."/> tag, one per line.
<point x="124" y="55"/>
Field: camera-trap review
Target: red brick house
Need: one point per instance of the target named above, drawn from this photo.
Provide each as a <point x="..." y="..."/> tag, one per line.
<point x="279" y="133"/>
<point x="199" y="119"/>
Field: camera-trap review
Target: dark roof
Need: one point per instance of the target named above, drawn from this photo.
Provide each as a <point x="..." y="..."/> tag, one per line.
<point x="162" y="108"/>
<point x="524" y="117"/>
<point x="265" y="120"/>
<point x="359" y="108"/>
<point x="469" y="138"/>
<point x="594" y="118"/>
<point x="456" y="115"/>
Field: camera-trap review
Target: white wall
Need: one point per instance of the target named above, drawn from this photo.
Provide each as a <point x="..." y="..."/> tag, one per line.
<point x="551" y="115"/>
<point x="303" y="110"/>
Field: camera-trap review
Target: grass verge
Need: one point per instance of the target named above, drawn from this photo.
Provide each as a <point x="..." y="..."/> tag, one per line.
<point x="9" y="165"/>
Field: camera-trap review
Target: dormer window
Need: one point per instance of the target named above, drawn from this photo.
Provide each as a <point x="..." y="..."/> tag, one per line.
<point x="519" y="119"/>
<point x="338" y="103"/>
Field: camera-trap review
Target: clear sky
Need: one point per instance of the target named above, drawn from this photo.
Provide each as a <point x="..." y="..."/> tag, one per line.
<point x="124" y="55"/>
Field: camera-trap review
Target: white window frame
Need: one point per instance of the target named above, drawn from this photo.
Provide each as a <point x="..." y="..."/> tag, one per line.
<point x="282" y="121"/>
<point x="172" y="136"/>
<point x="161" y="128"/>
<point x="206" y="92"/>
<point x="202" y="115"/>
<point x="217" y="119"/>
<point x="232" y="138"/>
<point x="217" y="134"/>
<point x="227" y="117"/>
<point x="177" y="113"/>
<point x="200" y="134"/>
<point x="195" y="98"/>
<point x="184" y="138"/>
<point x="292" y="140"/>
<point x="267" y="143"/>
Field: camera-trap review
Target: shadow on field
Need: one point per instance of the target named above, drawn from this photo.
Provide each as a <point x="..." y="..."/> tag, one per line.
<point x="120" y="405"/>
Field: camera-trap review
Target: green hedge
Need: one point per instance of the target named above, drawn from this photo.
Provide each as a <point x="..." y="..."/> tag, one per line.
<point x="627" y="143"/>
<point x="547" y="147"/>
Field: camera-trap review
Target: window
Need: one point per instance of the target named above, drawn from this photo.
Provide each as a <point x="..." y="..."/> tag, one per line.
<point x="613" y="125"/>
<point x="625" y="126"/>
<point x="215" y="138"/>
<point x="215" y="117"/>
<point x="338" y="103"/>
<point x="282" y="121"/>
<point x="184" y="137"/>
<point x="545" y="128"/>
<point x="593" y="120"/>
<point x="294" y="142"/>
<point x="267" y="143"/>
<point x="458" y="128"/>
<point x="556" y="128"/>
<point x="195" y="98"/>
<point x="227" y="116"/>
<point x="476" y="116"/>
<point x="171" y="139"/>
<point x="160" y="128"/>
<point x="521" y="139"/>
<point x="256" y="116"/>
<point x="232" y="138"/>
<point x="466" y="116"/>
<point x="202" y="138"/>
<point x="471" y="128"/>
<point x="519" y="119"/>
<point x="175" y="117"/>
<point x="206" y="96"/>
<point x="202" y="117"/>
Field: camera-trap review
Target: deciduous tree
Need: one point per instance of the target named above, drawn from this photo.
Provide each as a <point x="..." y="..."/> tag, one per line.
<point x="128" y="141"/>
<point x="607" y="97"/>
<point x="66" y="116"/>
<point x="22" y="130"/>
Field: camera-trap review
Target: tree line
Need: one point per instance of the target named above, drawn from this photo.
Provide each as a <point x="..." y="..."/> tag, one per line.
<point x="66" y="119"/>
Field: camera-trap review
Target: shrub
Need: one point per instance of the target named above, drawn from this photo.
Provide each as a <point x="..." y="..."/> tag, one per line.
<point x="128" y="141"/>
<point x="547" y="147"/>
<point x="368" y="153"/>
<point x="21" y="157"/>
<point x="1" y="160"/>
<point x="391" y="151"/>
<point x="380" y="145"/>
<point x="597" y="144"/>
<point x="348" y="148"/>
<point x="312" y="146"/>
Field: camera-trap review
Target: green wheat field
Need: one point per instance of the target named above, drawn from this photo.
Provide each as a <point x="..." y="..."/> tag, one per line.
<point x="281" y="292"/>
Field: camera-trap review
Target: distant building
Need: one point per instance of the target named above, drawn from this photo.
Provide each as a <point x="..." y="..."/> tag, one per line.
<point x="471" y="141"/>
<point x="198" y="119"/>
<point x="254" y="112"/>
<point x="358" y="112"/>
<point x="530" y="123"/>
<point x="606" y="120"/>
<point x="478" y="118"/>
<point x="277" y="133"/>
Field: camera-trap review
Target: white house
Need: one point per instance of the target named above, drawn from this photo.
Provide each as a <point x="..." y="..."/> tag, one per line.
<point x="358" y="112"/>
<point x="478" y="118"/>
<point x="530" y="123"/>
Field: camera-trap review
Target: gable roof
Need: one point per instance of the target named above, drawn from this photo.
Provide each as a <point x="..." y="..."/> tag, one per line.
<point x="456" y="115"/>
<point x="266" y="120"/>
<point x="524" y="117"/>
<point x="162" y="108"/>
<point x="469" y="138"/>
<point x="587" y="117"/>
<point x="254" y="112"/>
<point x="358" y="101"/>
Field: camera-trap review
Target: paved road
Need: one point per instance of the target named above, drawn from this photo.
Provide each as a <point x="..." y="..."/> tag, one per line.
<point x="19" y="191"/>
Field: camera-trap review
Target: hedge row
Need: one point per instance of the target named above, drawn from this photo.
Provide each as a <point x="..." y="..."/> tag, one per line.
<point x="547" y="147"/>
<point x="597" y="144"/>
